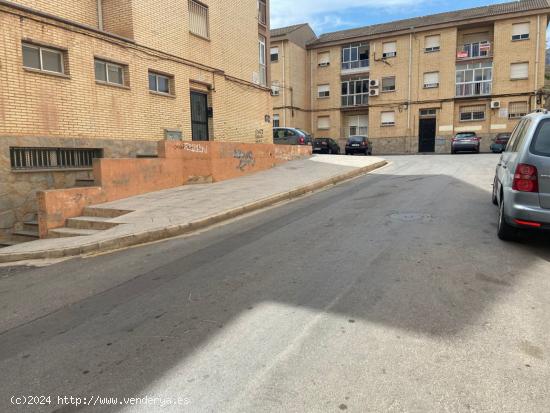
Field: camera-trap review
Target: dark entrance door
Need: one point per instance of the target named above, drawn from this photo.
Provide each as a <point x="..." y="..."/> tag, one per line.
<point x="426" y="140"/>
<point x="199" y="116"/>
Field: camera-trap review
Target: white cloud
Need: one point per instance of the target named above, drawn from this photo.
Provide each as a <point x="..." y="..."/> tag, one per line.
<point x="325" y="15"/>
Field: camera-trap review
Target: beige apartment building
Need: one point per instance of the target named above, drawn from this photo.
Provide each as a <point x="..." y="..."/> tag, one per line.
<point x="109" y="78"/>
<point x="410" y="85"/>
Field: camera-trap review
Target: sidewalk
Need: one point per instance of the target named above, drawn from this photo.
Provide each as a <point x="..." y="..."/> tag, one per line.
<point x="176" y="211"/>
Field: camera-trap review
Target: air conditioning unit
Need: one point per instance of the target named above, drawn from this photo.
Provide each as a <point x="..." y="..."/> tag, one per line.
<point x="374" y="83"/>
<point x="495" y="104"/>
<point x="374" y="92"/>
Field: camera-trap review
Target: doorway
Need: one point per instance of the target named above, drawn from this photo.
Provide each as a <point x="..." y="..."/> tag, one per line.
<point x="426" y="138"/>
<point x="199" y="116"/>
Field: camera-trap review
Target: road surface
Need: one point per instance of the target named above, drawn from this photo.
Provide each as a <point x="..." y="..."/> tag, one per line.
<point x="388" y="293"/>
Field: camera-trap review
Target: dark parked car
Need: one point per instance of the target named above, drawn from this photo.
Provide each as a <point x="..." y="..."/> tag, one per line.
<point x="500" y="142"/>
<point x="358" y="144"/>
<point x="291" y="136"/>
<point x="326" y="145"/>
<point x="465" y="142"/>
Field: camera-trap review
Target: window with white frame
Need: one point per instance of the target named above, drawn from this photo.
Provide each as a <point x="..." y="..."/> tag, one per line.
<point x="160" y="83"/>
<point x="388" y="84"/>
<point x="519" y="71"/>
<point x="262" y="68"/>
<point x="472" y="113"/>
<point x="431" y="80"/>
<point x="276" y="120"/>
<point x="355" y="56"/>
<point x="323" y="91"/>
<point x="323" y="59"/>
<point x="387" y="118"/>
<point x="474" y="79"/>
<point x="389" y="49"/>
<point x="107" y="72"/>
<point x="198" y="19"/>
<point x="432" y="43"/>
<point x="518" y="109"/>
<point x="274" y="53"/>
<point x="520" y="31"/>
<point x="323" y="122"/>
<point x="42" y="58"/>
<point x="275" y="88"/>
<point x="355" y="91"/>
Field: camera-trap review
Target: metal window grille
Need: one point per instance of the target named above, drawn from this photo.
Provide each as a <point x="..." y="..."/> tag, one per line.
<point x="198" y="18"/>
<point x="518" y="109"/>
<point x="53" y="158"/>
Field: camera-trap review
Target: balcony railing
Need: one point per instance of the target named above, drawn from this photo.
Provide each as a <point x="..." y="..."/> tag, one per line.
<point x="356" y="64"/>
<point x="479" y="50"/>
<point x="474" y="88"/>
<point x="360" y="99"/>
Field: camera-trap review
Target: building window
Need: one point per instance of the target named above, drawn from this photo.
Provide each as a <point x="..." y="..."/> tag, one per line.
<point x="431" y="80"/>
<point x="276" y="121"/>
<point x="274" y="52"/>
<point x="428" y="113"/>
<point x="107" y="72"/>
<point x="432" y="43"/>
<point x="389" y="49"/>
<point x="43" y="59"/>
<point x="477" y="50"/>
<point x="472" y="113"/>
<point x="198" y="19"/>
<point x="517" y="110"/>
<point x="323" y="59"/>
<point x="160" y="83"/>
<point x="355" y="92"/>
<point x="520" y="31"/>
<point x="261" y="50"/>
<point x="262" y="12"/>
<point x="387" y="118"/>
<point x="323" y="91"/>
<point x="388" y="84"/>
<point x="323" y="122"/>
<point x="355" y="56"/>
<point x="519" y="71"/>
<point x="474" y="79"/>
<point x="275" y="88"/>
<point x="358" y="125"/>
<point x="53" y="158"/>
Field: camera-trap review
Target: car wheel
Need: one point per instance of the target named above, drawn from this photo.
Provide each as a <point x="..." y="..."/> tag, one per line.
<point x="506" y="232"/>
<point x="495" y="188"/>
<point x="453" y="151"/>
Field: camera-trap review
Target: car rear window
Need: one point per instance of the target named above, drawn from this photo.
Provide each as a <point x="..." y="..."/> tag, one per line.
<point x="355" y="139"/>
<point x="541" y="141"/>
<point x="466" y="135"/>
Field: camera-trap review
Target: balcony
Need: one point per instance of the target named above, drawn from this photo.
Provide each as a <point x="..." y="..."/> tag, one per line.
<point x="482" y="88"/>
<point x="351" y="101"/>
<point x="356" y="66"/>
<point x="471" y="51"/>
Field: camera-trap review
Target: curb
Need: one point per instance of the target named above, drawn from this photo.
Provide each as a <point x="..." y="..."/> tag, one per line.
<point x="177" y="230"/>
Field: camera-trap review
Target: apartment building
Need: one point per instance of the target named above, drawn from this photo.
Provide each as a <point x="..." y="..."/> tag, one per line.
<point x="109" y="78"/>
<point x="410" y="85"/>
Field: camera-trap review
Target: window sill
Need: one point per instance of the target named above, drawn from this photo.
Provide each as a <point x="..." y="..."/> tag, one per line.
<point x="473" y="120"/>
<point x="43" y="72"/>
<point x="431" y="51"/>
<point x="115" y="85"/>
<point x="389" y="125"/>
<point x="519" y="78"/>
<point x="43" y="170"/>
<point x="323" y="97"/>
<point x="431" y="87"/>
<point x="199" y="36"/>
<point x="389" y="91"/>
<point x="520" y="40"/>
<point x="166" y="95"/>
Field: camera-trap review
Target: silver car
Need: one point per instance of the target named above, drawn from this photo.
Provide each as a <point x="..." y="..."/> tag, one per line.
<point x="522" y="181"/>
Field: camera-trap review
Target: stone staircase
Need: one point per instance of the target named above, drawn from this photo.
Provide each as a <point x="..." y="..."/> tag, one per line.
<point x="93" y="221"/>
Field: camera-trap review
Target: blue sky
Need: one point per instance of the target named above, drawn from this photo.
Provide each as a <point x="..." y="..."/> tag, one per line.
<point x="331" y="15"/>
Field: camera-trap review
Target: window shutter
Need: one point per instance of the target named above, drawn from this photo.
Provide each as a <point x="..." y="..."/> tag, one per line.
<point x="470" y="109"/>
<point x="431" y="78"/>
<point x="323" y="88"/>
<point x="520" y="28"/>
<point x="476" y="37"/>
<point x="388" y="118"/>
<point x="323" y="122"/>
<point x="432" y="42"/>
<point x="274" y="50"/>
<point x="518" y="109"/>
<point x="324" y="58"/>
<point x="198" y="18"/>
<point x="389" y="47"/>
<point x="519" y="71"/>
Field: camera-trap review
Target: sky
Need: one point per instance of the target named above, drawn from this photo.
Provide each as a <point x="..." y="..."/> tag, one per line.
<point x="332" y="15"/>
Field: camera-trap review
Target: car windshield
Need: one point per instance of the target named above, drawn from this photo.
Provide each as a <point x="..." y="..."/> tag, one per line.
<point x="541" y="141"/>
<point x="466" y="135"/>
<point x="356" y="139"/>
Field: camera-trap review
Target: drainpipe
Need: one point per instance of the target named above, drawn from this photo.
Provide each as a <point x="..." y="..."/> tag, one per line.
<point x="284" y="83"/>
<point x="409" y="87"/>
<point x="537" y="59"/>
<point x="100" y="14"/>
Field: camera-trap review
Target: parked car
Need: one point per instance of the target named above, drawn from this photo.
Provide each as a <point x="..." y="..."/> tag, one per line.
<point x="358" y="144"/>
<point x="291" y="136"/>
<point x="326" y="145"/>
<point x="465" y="142"/>
<point x="499" y="144"/>
<point x="522" y="180"/>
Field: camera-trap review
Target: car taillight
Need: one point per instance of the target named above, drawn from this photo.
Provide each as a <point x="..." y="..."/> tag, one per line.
<point x="302" y="140"/>
<point x="324" y="143"/>
<point x="526" y="178"/>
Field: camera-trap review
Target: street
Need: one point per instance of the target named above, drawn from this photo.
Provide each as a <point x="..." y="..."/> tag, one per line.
<point x="387" y="293"/>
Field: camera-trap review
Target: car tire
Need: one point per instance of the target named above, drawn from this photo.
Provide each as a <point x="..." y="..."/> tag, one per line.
<point x="505" y="232"/>
<point x="495" y="189"/>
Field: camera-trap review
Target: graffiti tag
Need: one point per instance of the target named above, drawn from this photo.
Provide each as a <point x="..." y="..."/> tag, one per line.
<point x="245" y="159"/>
<point x="259" y="135"/>
<point x="192" y="147"/>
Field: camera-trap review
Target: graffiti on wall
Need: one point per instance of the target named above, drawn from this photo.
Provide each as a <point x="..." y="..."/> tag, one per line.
<point x="245" y="159"/>
<point x="259" y="135"/>
<point x="192" y="147"/>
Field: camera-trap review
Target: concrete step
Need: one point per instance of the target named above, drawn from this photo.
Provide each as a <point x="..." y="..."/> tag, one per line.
<point x="31" y="225"/>
<point x="84" y="182"/>
<point x="7" y="243"/>
<point x="85" y="222"/>
<point x="70" y="232"/>
<point x="104" y="212"/>
<point x="25" y="235"/>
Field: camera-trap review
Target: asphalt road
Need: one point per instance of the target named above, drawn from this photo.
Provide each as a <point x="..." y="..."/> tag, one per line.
<point x="389" y="293"/>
